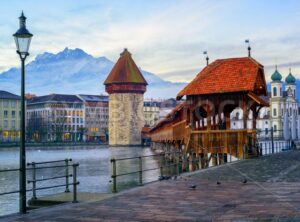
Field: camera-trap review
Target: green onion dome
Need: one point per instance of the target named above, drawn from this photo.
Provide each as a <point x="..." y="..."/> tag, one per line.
<point x="276" y="76"/>
<point x="290" y="79"/>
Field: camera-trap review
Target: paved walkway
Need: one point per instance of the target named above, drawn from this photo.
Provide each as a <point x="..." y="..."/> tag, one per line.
<point x="272" y="193"/>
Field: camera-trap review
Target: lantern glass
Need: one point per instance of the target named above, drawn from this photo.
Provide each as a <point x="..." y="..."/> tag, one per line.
<point x="22" y="43"/>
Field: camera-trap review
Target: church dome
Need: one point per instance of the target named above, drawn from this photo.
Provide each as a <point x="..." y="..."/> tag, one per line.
<point x="276" y="76"/>
<point x="290" y="79"/>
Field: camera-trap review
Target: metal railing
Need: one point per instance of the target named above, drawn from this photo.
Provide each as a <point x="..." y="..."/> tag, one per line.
<point x="170" y="164"/>
<point x="140" y="170"/>
<point x="34" y="166"/>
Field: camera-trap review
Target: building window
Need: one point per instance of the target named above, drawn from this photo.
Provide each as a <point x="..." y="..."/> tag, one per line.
<point x="275" y="128"/>
<point x="13" y="114"/>
<point x="280" y="91"/>
<point x="6" y="103"/>
<point x="13" y="124"/>
<point x="294" y="93"/>
<point x="274" y="112"/>
<point x="13" y="104"/>
<point x="5" y="124"/>
<point x="5" y="113"/>
<point x="274" y="91"/>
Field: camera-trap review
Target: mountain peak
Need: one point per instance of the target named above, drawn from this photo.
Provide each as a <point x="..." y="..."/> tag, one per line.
<point x="73" y="53"/>
<point x="73" y="71"/>
<point x="67" y="53"/>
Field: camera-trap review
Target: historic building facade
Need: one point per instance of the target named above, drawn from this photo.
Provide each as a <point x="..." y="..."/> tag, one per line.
<point x="126" y="86"/>
<point x="10" y="108"/>
<point x="283" y="104"/>
<point x="96" y="117"/>
<point x="151" y="112"/>
<point x="55" y="117"/>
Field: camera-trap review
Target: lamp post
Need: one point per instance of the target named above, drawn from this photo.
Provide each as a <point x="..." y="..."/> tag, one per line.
<point x="22" y="39"/>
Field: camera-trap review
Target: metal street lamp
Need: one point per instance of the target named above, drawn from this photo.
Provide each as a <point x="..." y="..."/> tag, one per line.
<point x="22" y="39"/>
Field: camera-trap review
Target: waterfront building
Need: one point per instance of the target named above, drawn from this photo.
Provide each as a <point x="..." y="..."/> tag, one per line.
<point x="126" y="86"/>
<point x="151" y="112"/>
<point x="96" y="117"/>
<point x="10" y="108"/>
<point x="283" y="101"/>
<point x="202" y="124"/>
<point x="55" y="117"/>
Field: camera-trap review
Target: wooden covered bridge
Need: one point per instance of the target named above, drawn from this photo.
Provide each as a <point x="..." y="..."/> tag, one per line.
<point x="200" y="125"/>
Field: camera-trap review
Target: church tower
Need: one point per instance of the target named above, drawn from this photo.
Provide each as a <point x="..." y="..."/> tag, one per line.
<point x="126" y="86"/>
<point x="291" y="83"/>
<point x="276" y="102"/>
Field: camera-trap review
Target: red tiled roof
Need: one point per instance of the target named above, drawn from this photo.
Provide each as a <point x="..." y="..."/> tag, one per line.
<point x="225" y="75"/>
<point x="125" y="71"/>
<point x="168" y="117"/>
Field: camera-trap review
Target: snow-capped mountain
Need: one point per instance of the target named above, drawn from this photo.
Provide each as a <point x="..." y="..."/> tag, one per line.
<point x="73" y="71"/>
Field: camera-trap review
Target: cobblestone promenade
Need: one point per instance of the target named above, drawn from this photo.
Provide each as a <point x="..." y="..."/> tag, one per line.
<point x="271" y="193"/>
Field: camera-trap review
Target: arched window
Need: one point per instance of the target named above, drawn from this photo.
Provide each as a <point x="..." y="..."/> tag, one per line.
<point x="275" y="128"/>
<point x="274" y="91"/>
<point x="294" y="93"/>
<point x="291" y="111"/>
<point x="280" y="91"/>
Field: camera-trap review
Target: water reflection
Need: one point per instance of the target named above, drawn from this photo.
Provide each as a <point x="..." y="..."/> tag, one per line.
<point x="93" y="173"/>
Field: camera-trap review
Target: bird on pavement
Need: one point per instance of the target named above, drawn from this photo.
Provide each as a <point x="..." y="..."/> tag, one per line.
<point x="193" y="187"/>
<point x="245" y="181"/>
<point x="218" y="182"/>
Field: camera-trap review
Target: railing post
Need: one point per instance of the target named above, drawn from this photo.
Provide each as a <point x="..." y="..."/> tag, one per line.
<point x="244" y="151"/>
<point x="75" y="182"/>
<point x="230" y="153"/>
<point x="33" y="181"/>
<point x="67" y="175"/>
<point x="223" y="156"/>
<point x="177" y="163"/>
<point x="260" y="150"/>
<point x="140" y="171"/>
<point x="161" y="164"/>
<point x="180" y="166"/>
<point x="272" y="139"/>
<point x="114" y="175"/>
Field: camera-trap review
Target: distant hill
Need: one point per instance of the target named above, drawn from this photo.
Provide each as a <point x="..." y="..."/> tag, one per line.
<point x="73" y="71"/>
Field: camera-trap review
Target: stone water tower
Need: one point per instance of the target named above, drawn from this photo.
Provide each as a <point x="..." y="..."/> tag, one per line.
<point x="126" y="86"/>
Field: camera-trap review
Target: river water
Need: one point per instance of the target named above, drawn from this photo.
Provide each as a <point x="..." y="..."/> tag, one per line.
<point x="94" y="172"/>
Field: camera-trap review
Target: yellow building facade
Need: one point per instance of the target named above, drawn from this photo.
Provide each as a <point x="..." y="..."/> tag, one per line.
<point x="10" y="112"/>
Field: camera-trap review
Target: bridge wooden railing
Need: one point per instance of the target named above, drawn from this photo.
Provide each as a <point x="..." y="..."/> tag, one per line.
<point x="235" y="142"/>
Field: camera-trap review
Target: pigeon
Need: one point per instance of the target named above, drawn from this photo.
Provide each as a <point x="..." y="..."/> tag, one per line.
<point x="218" y="182"/>
<point x="193" y="187"/>
<point x="167" y="177"/>
<point x="245" y="181"/>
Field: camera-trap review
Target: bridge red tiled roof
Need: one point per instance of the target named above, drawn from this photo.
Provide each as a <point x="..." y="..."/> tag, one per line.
<point x="169" y="116"/>
<point x="125" y="71"/>
<point x="225" y="75"/>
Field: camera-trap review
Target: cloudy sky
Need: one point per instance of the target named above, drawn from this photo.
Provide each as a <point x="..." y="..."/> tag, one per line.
<point x="165" y="37"/>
